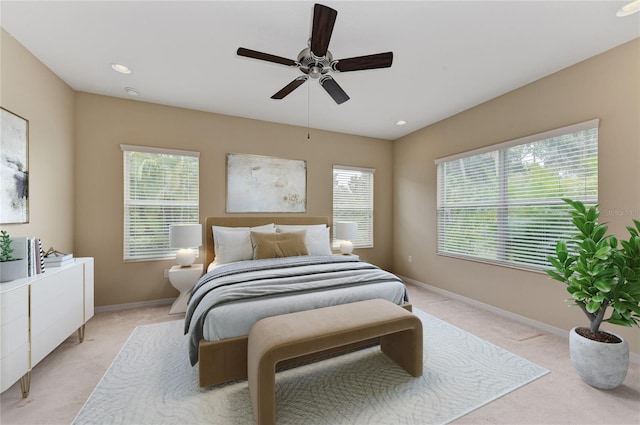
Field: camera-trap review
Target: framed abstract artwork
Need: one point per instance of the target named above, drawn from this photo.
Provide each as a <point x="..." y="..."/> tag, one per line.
<point x="14" y="168"/>
<point x="266" y="184"/>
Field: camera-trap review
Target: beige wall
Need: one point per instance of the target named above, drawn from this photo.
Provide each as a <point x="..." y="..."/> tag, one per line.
<point x="607" y="87"/>
<point x="103" y="123"/>
<point x="31" y="90"/>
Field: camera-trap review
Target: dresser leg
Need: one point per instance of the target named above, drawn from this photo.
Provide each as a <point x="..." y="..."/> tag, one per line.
<point x="81" y="334"/>
<point x="25" y="384"/>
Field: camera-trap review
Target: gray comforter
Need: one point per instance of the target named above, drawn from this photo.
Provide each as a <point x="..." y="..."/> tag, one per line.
<point x="249" y="281"/>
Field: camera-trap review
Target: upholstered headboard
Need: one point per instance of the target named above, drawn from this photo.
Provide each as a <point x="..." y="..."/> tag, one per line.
<point x="230" y="221"/>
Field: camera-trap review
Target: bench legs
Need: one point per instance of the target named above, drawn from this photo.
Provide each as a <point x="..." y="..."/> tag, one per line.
<point x="263" y="393"/>
<point x="405" y="348"/>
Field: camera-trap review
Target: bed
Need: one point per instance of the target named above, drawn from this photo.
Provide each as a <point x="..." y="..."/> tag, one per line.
<point x="233" y="295"/>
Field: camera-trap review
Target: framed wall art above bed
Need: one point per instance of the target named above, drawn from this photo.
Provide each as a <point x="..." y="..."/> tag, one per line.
<point x="265" y="184"/>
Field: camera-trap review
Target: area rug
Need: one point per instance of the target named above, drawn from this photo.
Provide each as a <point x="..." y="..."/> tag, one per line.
<point x="151" y="382"/>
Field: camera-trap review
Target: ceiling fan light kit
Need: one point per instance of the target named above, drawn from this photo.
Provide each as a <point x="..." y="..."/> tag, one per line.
<point x="316" y="61"/>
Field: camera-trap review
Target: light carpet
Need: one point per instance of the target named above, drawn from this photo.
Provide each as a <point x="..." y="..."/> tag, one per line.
<point x="151" y="382"/>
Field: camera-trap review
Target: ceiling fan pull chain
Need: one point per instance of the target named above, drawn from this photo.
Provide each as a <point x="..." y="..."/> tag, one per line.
<point x="308" y="111"/>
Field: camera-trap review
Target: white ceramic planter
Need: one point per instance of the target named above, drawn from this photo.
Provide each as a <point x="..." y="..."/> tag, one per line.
<point x="12" y="270"/>
<point x="599" y="364"/>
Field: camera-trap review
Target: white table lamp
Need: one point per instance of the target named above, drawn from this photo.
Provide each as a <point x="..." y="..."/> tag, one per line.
<point x="185" y="236"/>
<point x="346" y="231"/>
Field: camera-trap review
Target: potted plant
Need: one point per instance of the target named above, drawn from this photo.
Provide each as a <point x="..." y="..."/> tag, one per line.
<point x="10" y="268"/>
<point x="603" y="278"/>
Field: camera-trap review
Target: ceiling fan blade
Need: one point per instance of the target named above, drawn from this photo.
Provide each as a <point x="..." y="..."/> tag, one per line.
<point x="290" y="87"/>
<point x="323" y="20"/>
<point x="265" y="57"/>
<point x="360" y="63"/>
<point x="334" y="90"/>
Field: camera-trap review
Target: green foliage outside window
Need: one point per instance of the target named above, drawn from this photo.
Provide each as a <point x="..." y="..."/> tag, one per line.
<point x="160" y="189"/>
<point x="506" y="205"/>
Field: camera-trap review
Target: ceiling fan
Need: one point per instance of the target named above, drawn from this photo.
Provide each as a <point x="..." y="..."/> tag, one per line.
<point x="316" y="61"/>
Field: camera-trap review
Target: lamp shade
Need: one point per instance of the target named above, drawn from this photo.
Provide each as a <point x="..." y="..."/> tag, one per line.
<point x="185" y="236"/>
<point x="347" y="230"/>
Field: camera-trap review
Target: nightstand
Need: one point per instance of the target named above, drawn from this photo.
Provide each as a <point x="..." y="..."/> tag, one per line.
<point x="348" y="255"/>
<point x="183" y="279"/>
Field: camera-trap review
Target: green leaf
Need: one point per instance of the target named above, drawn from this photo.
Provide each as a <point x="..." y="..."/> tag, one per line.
<point x="593" y="306"/>
<point x="581" y="269"/>
<point x="604" y="273"/>
<point x="592" y="214"/>
<point x="589" y="245"/>
<point x="562" y="255"/>
<point x="588" y="228"/>
<point x="634" y="292"/>
<point x="628" y="306"/>
<point x="572" y="289"/>
<point x="577" y="205"/>
<point x="579" y="222"/>
<point x="599" y="232"/>
<point x="555" y="275"/>
<point x="580" y="295"/>
<point x="620" y="322"/>
<point x="603" y="252"/>
<point x="556" y="263"/>
<point x="625" y="296"/>
<point x="636" y="231"/>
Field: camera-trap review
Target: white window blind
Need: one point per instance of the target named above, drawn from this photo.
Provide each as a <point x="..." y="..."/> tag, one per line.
<point x="161" y="187"/>
<point x="503" y="204"/>
<point x="353" y="201"/>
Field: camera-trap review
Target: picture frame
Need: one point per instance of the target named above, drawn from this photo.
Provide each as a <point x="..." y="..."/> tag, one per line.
<point x="265" y="184"/>
<point x="14" y="168"/>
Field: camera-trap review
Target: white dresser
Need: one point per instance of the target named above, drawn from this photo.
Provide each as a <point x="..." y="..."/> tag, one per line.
<point x="38" y="313"/>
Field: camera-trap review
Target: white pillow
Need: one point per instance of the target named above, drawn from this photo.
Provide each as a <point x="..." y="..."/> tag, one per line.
<point x="317" y="239"/>
<point x="234" y="243"/>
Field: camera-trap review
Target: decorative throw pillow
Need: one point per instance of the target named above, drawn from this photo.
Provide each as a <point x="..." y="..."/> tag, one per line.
<point x="278" y="245"/>
<point x="234" y="243"/>
<point x="317" y="239"/>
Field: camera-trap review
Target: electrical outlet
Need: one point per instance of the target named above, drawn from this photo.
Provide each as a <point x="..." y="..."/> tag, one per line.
<point x="166" y="272"/>
<point x="410" y="259"/>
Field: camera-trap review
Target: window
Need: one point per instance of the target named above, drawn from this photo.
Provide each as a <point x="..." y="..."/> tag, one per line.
<point x="353" y="201"/>
<point x="160" y="188"/>
<point x="503" y="204"/>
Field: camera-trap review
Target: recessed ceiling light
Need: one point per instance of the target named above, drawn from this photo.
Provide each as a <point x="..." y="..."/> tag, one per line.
<point x="131" y="91"/>
<point x="401" y="122"/>
<point x="121" y="68"/>
<point x="629" y="9"/>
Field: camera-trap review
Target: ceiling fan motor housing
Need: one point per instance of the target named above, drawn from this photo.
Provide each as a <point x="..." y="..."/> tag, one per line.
<point x="313" y="65"/>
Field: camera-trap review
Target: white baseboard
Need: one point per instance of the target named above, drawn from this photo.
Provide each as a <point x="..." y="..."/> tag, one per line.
<point x="127" y="306"/>
<point x="633" y="357"/>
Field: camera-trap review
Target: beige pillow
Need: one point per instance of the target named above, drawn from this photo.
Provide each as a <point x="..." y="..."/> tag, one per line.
<point x="278" y="245"/>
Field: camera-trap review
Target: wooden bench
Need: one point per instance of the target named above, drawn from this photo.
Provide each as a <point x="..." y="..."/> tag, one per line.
<point x="293" y="335"/>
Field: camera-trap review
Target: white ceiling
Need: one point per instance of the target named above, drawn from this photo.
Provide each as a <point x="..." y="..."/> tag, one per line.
<point x="448" y="55"/>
